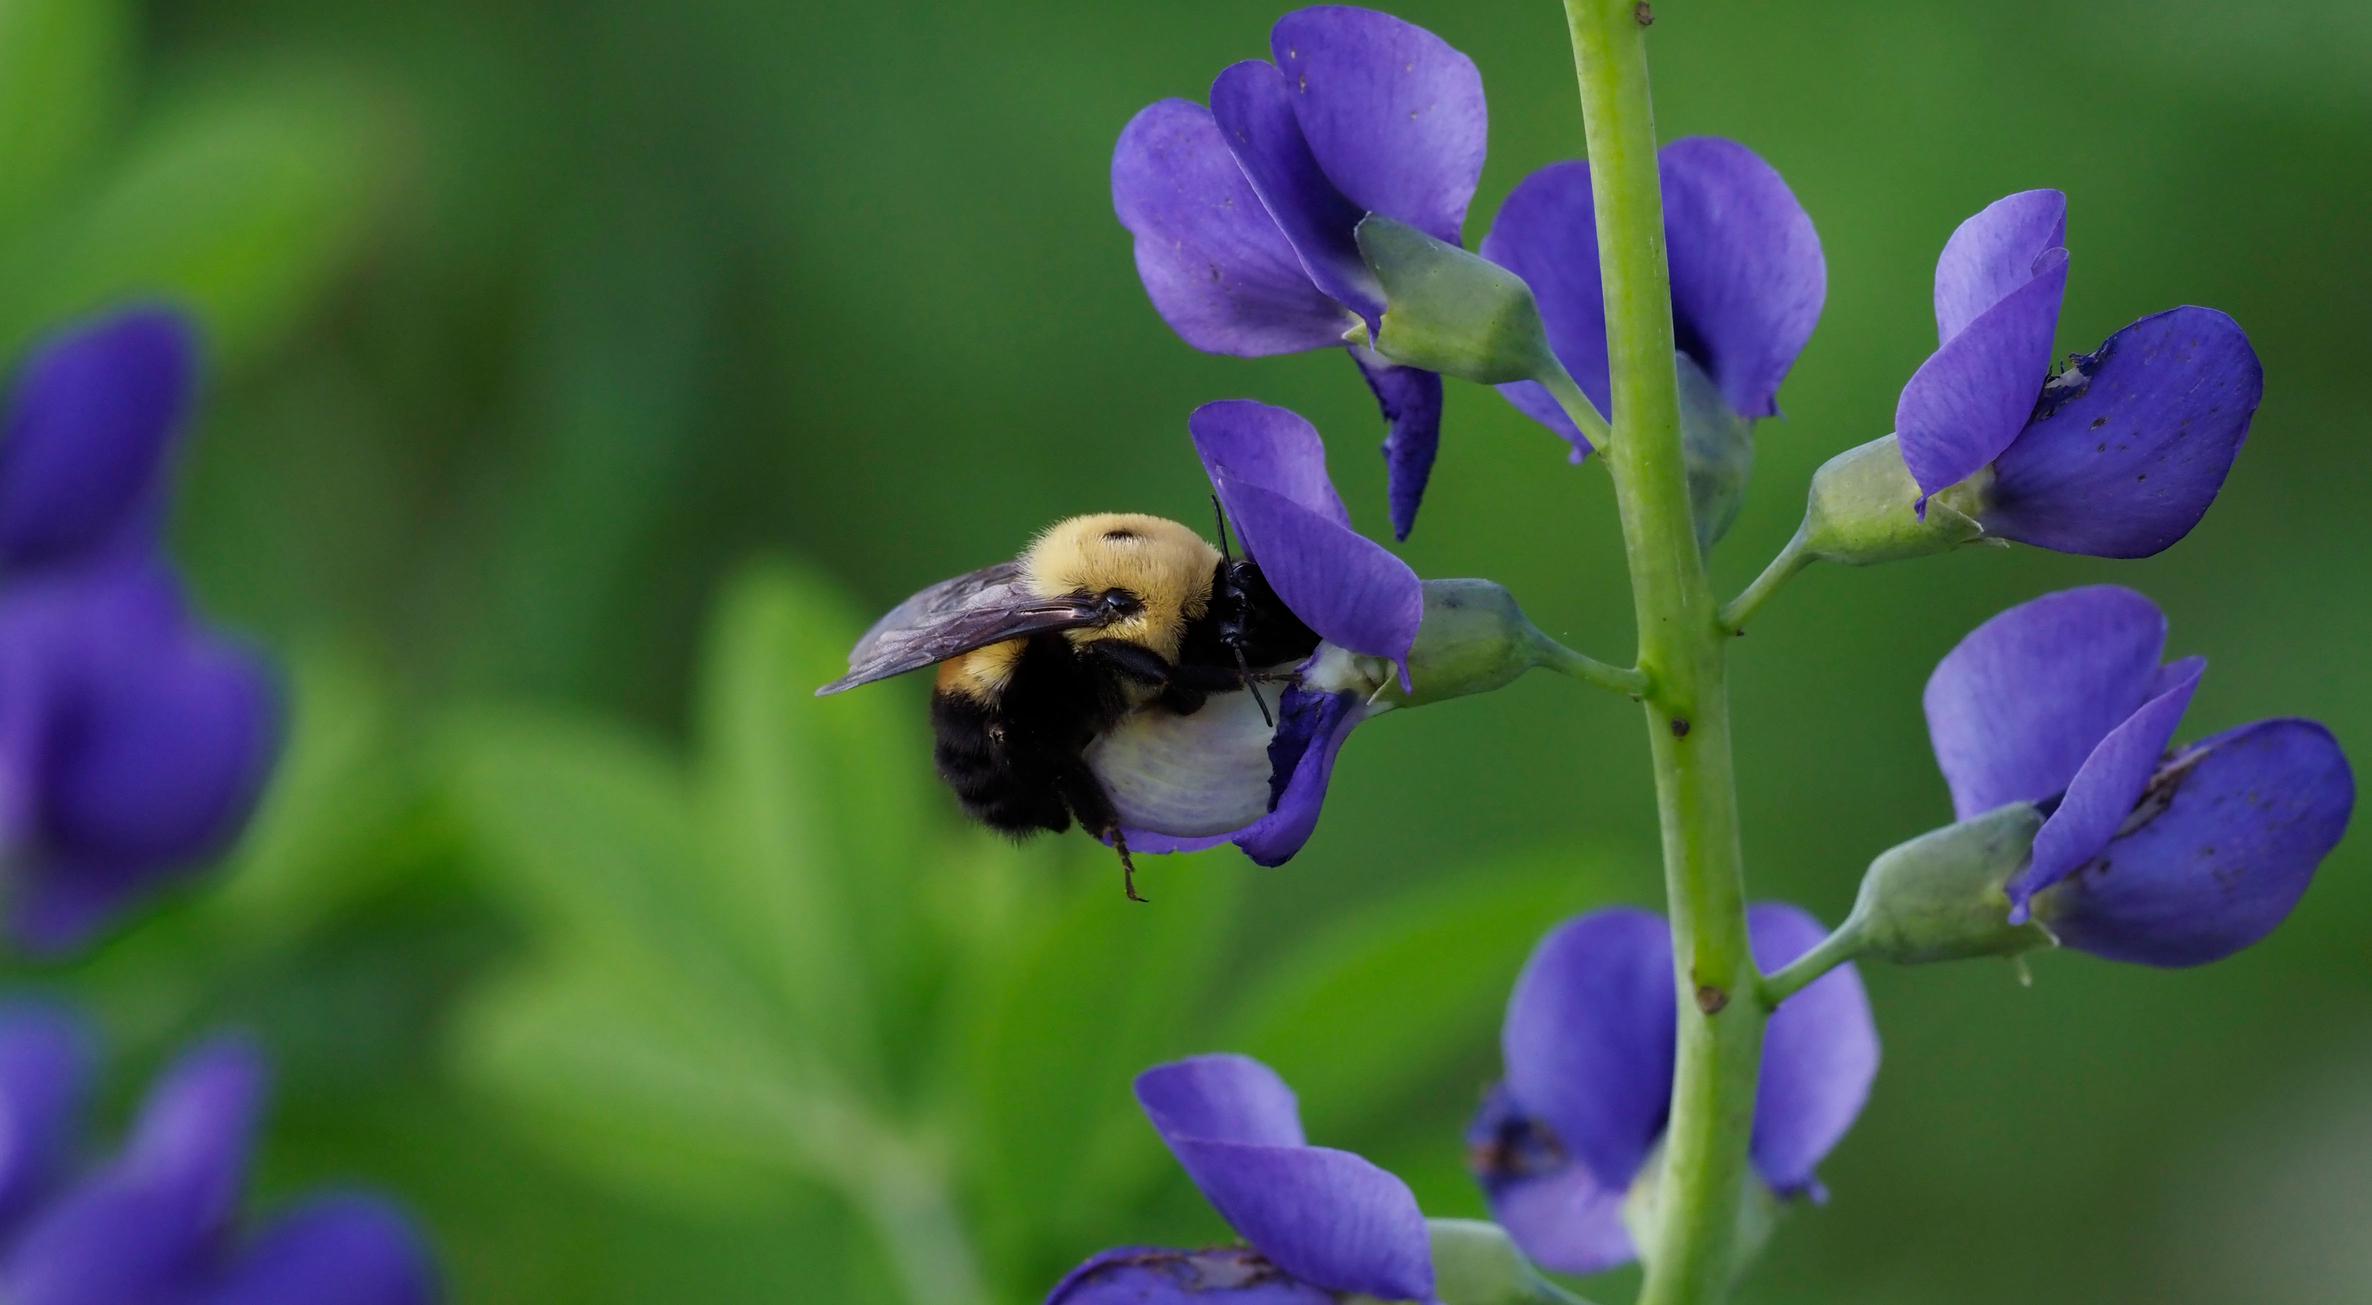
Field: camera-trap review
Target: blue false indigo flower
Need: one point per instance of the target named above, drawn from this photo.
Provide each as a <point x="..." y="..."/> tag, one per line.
<point x="87" y="439"/>
<point x="1748" y="277"/>
<point x="2161" y="857"/>
<point x="1183" y="783"/>
<point x="159" y="1222"/>
<point x="2120" y="453"/>
<point x="1560" y="1146"/>
<point x="1320" y="1223"/>
<point x="1244" y="213"/>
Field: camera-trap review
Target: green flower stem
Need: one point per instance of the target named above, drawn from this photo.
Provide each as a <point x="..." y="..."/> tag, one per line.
<point x="1692" y="1252"/>
<point x="1782" y="569"/>
<point x="1578" y="409"/>
<point x="1829" y="953"/>
<point x="1625" y="680"/>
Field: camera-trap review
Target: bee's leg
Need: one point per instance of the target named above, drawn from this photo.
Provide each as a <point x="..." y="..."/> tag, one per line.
<point x="1085" y="795"/>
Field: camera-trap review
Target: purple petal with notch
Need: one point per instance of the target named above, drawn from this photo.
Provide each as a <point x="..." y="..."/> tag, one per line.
<point x="1748" y="277"/>
<point x="1393" y="113"/>
<point x="1326" y="1217"/>
<point x="1216" y="266"/>
<point x="2105" y="789"/>
<point x="1820" y="1055"/>
<point x="89" y="434"/>
<point x="335" y="1250"/>
<point x="2131" y="445"/>
<point x="1152" y="1275"/>
<point x="1557" y="1211"/>
<point x="2227" y="838"/>
<point x="1311" y="728"/>
<point x="1411" y="401"/>
<point x="1994" y="253"/>
<point x="1588" y="1040"/>
<point x="1972" y="396"/>
<point x="1254" y="110"/>
<point x="2019" y="704"/>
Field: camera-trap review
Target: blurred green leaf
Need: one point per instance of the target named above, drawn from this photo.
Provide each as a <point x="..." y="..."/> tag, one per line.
<point x="62" y="75"/>
<point x="634" y="1083"/>
<point x="1055" y="1031"/>
<point x="1372" y="1007"/>
<point x="814" y="806"/>
<point x="241" y="199"/>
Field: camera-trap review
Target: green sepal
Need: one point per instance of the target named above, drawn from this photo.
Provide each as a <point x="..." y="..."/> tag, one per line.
<point x="1450" y="311"/>
<point x="1718" y="445"/>
<point x="1473" y="639"/>
<point x="1477" y="1263"/>
<point x="1863" y="509"/>
<point x="1940" y="897"/>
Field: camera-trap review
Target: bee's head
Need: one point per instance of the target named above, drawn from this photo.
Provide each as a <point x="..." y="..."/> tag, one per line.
<point x="1147" y="575"/>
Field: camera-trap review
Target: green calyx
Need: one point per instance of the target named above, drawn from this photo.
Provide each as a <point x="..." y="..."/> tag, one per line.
<point x="1453" y="312"/>
<point x="1718" y="446"/>
<point x="1862" y="509"/>
<point x="1474" y="639"/>
<point x="1940" y="897"/>
<point x="1477" y="1263"/>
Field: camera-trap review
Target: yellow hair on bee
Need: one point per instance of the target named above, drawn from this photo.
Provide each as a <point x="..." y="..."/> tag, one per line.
<point x="981" y="674"/>
<point x="1165" y="565"/>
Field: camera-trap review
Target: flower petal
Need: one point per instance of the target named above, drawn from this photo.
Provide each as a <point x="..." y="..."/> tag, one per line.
<point x="197" y="1125"/>
<point x="1820" y="1055"/>
<point x="1560" y="1215"/>
<point x="1254" y="110"/>
<point x="2227" y="840"/>
<point x="1394" y="114"/>
<point x="1327" y="1217"/>
<point x="1311" y="728"/>
<point x="1151" y="1275"/>
<point x="88" y="432"/>
<point x="2133" y="443"/>
<point x="2021" y="702"/>
<point x="339" y="1250"/>
<point x="1973" y="395"/>
<point x="1547" y="234"/>
<point x="1589" y="1039"/>
<point x="46" y="1059"/>
<point x="2103" y="793"/>
<point x="1216" y="266"/>
<point x="1411" y="400"/>
<point x="1994" y="253"/>
<point x="1748" y="278"/>
<point x="1269" y="468"/>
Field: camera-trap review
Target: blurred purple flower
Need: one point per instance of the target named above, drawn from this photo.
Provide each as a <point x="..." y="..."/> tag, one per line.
<point x="1589" y="1052"/>
<point x="1320" y="1222"/>
<point x="1748" y="278"/>
<point x="87" y="440"/>
<point x="158" y="1224"/>
<point x="2119" y="454"/>
<point x="133" y="743"/>
<point x="1268" y="467"/>
<point x="1244" y="212"/>
<point x="2165" y="858"/>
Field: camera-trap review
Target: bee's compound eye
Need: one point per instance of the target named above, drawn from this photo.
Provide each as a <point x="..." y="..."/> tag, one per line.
<point x="1120" y="602"/>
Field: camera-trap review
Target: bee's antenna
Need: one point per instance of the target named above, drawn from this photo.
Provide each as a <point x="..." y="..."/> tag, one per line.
<point x="1221" y="513"/>
<point x="1252" y="686"/>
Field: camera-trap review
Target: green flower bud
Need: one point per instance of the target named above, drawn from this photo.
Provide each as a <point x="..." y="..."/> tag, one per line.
<point x="1939" y="897"/>
<point x="1449" y="311"/>
<point x="1863" y="510"/>
<point x="1477" y="1263"/>
<point x="1718" y="445"/>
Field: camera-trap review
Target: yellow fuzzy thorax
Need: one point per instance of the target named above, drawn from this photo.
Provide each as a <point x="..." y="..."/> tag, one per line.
<point x="1166" y="565"/>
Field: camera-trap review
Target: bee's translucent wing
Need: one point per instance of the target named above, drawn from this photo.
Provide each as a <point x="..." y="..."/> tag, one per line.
<point x="953" y="617"/>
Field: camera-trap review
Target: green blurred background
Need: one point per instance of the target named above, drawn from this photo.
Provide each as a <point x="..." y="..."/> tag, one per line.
<point x="586" y="373"/>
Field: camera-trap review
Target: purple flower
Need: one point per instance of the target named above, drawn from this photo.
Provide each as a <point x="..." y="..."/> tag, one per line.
<point x="1748" y="278"/>
<point x="1223" y="774"/>
<point x="2162" y="857"/>
<point x="1244" y="212"/>
<point x="159" y="1222"/>
<point x="87" y="439"/>
<point x="1319" y="1222"/>
<point x="2119" y="454"/>
<point x="1589" y="1051"/>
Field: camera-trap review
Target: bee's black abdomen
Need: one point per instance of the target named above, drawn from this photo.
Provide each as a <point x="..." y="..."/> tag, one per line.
<point x="975" y="757"/>
<point x="1014" y="763"/>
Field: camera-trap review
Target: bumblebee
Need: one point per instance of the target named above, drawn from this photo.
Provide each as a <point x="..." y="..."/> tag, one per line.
<point x="1104" y="615"/>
